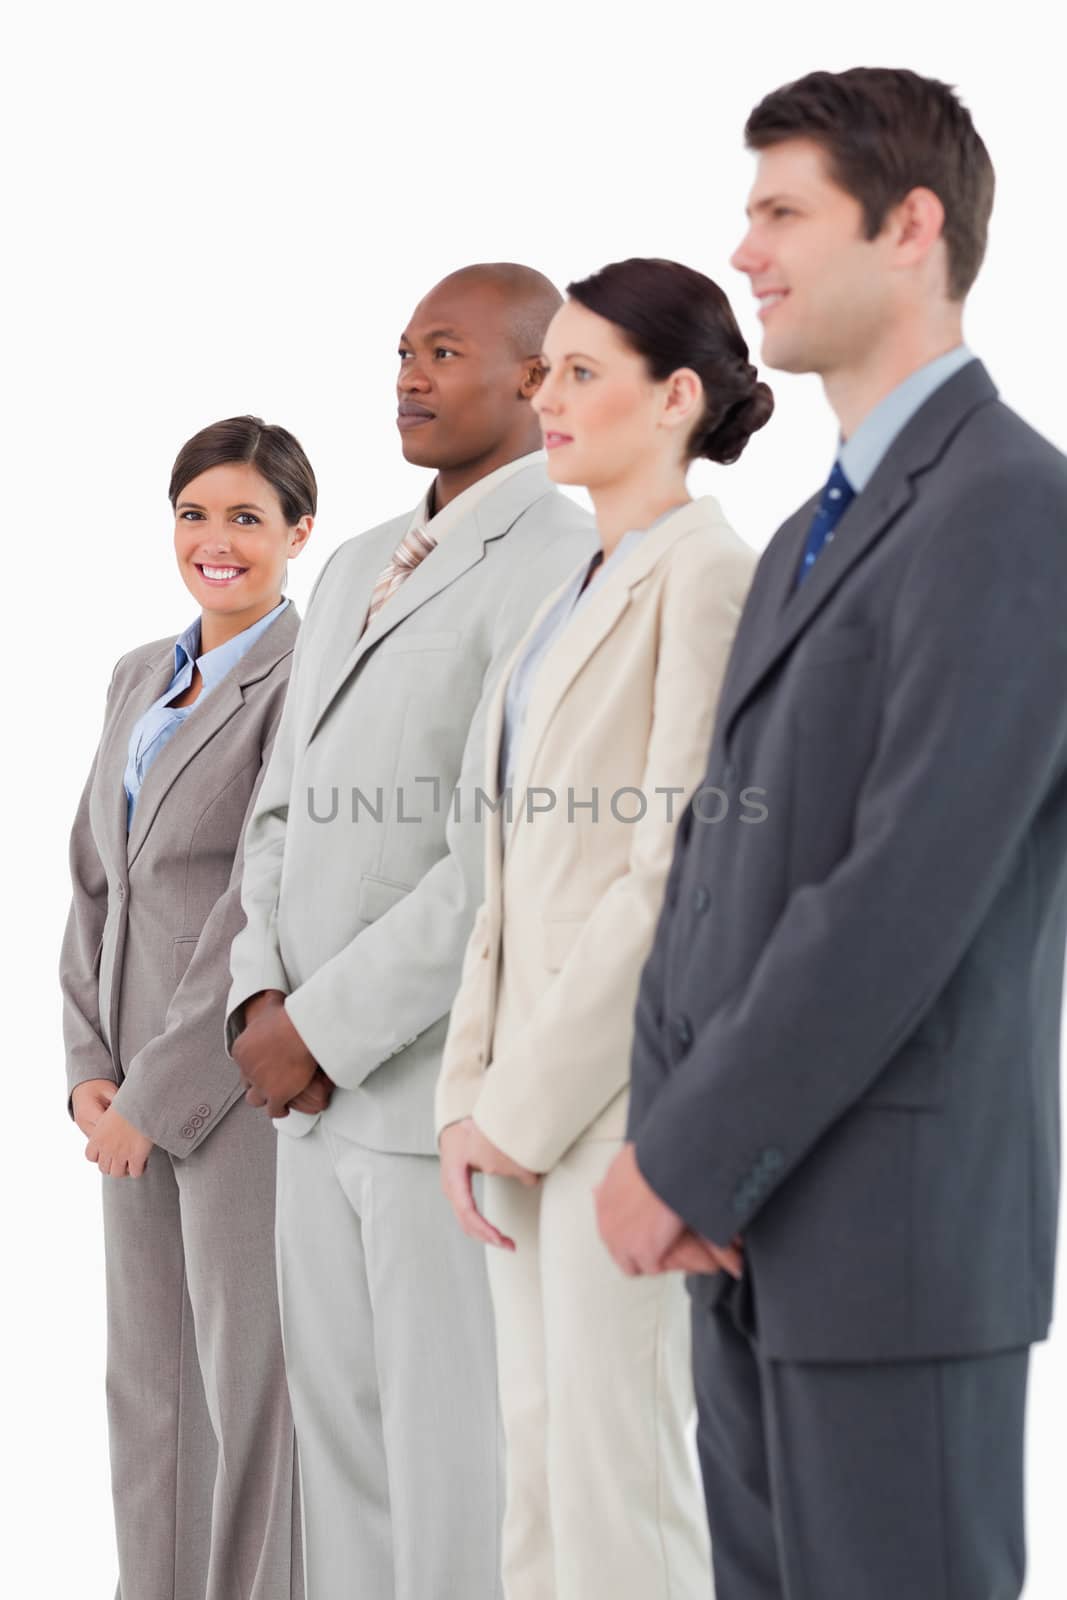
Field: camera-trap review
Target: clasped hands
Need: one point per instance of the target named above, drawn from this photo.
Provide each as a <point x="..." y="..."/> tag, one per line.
<point x="275" y="1063"/>
<point x="118" y="1148"/>
<point x="644" y="1235"/>
<point x="641" y="1232"/>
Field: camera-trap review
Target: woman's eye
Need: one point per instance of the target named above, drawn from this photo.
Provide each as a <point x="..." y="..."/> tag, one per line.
<point x="191" y="516"/>
<point x="582" y="373"/>
<point x="405" y="355"/>
<point x="782" y="211"/>
<point x="246" y="519"/>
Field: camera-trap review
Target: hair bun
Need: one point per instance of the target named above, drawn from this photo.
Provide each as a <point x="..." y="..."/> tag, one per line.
<point x="743" y="417"/>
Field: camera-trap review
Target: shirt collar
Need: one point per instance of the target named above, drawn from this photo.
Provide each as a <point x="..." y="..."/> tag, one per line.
<point x="215" y="664"/>
<point x="465" y="503"/>
<point x="863" y="451"/>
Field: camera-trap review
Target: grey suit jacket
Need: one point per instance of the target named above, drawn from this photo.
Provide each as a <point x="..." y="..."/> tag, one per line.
<point x="145" y="954"/>
<point x="363" y="861"/>
<point x="848" y="1032"/>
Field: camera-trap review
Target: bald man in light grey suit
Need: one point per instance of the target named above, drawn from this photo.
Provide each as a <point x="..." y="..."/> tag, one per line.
<point x="362" y="877"/>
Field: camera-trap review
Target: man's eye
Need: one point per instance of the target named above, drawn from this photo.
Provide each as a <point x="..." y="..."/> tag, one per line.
<point x="405" y="355"/>
<point x="783" y="211"/>
<point x="443" y="351"/>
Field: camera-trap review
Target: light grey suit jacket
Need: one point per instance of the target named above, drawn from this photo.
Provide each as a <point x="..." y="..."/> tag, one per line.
<point x="363" y="861"/>
<point x="145" y="954"/>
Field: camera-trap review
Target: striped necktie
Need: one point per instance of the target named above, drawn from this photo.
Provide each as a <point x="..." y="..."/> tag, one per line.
<point x="413" y="548"/>
<point x="836" y="498"/>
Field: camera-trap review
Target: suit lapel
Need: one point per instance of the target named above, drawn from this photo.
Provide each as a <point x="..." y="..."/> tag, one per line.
<point x="155" y="675"/>
<point x="462" y="548"/>
<point x="204" y="722"/>
<point x="786" y="611"/>
<point x="600" y="614"/>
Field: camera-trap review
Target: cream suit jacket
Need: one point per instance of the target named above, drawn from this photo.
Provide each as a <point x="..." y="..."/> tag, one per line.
<point x="538" y="1047"/>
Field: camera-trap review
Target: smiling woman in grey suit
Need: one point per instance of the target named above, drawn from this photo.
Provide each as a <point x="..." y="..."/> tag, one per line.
<point x="599" y="731"/>
<point x="202" y="1450"/>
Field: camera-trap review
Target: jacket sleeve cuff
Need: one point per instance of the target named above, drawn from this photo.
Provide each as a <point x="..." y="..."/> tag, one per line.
<point x="239" y="998"/>
<point x="87" y="1075"/>
<point x="518" y="1131"/>
<point x="178" y="1130"/>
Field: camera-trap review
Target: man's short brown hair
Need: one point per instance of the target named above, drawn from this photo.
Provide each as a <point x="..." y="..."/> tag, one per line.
<point x="886" y="131"/>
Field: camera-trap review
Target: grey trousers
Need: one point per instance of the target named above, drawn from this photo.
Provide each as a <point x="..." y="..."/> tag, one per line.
<point x="390" y="1355"/>
<point x="866" y="1481"/>
<point x="202" y="1447"/>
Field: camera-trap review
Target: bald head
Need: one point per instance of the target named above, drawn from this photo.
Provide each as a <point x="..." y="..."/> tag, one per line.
<point x="527" y="300"/>
<point x="469" y="364"/>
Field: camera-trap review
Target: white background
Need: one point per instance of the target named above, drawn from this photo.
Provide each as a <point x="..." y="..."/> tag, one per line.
<point x="227" y="208"/>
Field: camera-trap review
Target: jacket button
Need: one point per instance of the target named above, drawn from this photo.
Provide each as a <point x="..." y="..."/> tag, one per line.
<point x="683" y="1032"/>
<point x="187" y="1132"/>
<point x="701" y="899"/>
<point x="203" y="1111"/>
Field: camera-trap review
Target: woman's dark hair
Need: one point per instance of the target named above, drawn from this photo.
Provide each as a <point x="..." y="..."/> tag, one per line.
<point x="676" y="317"/>
<point x="273" y="451"/>
<point x="886" y="131"/>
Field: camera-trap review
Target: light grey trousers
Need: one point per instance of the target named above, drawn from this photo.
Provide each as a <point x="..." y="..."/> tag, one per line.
<point x="390" y="1355"/>
<point x="202" y="1449"/>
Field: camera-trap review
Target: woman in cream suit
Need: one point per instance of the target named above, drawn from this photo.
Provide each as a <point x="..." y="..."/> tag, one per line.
<point x="600" y="731"/>
<point x="202" y="1452"/>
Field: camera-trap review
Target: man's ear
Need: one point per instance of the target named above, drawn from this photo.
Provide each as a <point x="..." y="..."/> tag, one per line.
<point x="533" y="373"/>
<point x="918" y="223"/>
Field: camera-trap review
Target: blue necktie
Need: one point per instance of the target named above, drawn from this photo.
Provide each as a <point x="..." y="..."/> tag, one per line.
<point x="837" y="496"/>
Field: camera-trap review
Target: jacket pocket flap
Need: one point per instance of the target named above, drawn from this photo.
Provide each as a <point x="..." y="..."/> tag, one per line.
<point x="183" y="953"/>
<point x="378" y="895"/>
<point x="847" y="642"/>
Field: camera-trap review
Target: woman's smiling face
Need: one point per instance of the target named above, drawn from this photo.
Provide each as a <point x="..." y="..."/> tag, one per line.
<point x="232" y="540"/>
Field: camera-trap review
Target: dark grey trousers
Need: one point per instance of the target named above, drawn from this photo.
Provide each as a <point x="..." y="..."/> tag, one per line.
<point x="881" y="1481"/>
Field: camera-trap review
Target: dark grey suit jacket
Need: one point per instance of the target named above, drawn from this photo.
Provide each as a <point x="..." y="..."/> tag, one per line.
<point x="145" y="962"/>
<point x="848" y="1031"/>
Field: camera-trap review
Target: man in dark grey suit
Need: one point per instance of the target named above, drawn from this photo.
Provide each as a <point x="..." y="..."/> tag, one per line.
<point x="845" y="1099"/>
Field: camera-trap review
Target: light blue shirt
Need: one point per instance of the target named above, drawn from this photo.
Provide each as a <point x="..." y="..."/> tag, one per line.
<point x="862" y="453"/>
<point x="156" y="727"/>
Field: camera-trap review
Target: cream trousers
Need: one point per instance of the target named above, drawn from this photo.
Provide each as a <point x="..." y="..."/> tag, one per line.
<point x="596" y="1395"/>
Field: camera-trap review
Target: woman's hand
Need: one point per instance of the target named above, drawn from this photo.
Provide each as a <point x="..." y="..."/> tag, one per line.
<point x="457" y="1170"/>
<point x="488" y="1157"/>
<point x="90" y="1100"/>
<point x="117" y="1147"/>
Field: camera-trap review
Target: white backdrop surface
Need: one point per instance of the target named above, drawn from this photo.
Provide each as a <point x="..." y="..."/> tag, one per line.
<point x="221" y="208"/>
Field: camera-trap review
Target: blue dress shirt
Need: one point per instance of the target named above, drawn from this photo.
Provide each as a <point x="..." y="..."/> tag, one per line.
<point x="156" y="727"/>
<point x="859" y="455"/>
